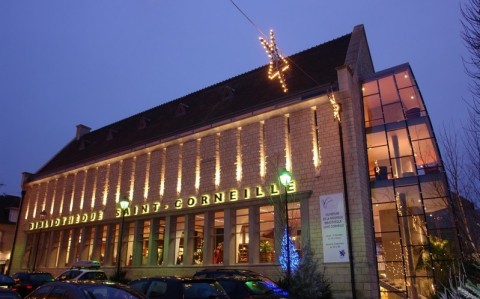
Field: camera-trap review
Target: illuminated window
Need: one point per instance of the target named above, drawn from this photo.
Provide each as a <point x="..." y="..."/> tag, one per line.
<point x="267" y="234"/>
<point x="179" y="239"/>
<point x="145" y="242"/>
<point x="198" y="239"/>
<point x="218" y="237"/>
<point x="241" y="235"/>
<point x="160" y="236"/>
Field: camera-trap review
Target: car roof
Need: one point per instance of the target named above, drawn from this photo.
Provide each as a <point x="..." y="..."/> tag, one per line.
<point x="175" y="278"/>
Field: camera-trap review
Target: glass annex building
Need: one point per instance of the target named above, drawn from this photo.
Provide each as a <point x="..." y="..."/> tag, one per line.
<point x="368" y="193"/>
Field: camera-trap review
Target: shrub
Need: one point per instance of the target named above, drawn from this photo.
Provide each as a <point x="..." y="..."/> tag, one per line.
<point x="308" y="281"/>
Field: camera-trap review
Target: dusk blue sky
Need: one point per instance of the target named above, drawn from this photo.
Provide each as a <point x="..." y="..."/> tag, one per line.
<point x="94" y="62"/>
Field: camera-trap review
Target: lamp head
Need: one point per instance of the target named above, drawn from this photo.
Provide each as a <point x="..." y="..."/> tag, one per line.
<point x="285" y="177"/>
<point x="43" y="214"/>
<point x="124" y="203"/>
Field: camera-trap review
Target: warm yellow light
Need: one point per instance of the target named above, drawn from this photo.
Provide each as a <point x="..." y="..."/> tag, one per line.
<point x="94" y="192"/>
<point x="198" y="161"/>
<point x="239" y="156"/>
<point x="132" y="177"/>
<point x="335" y="106"/>
<point x="263" y="164"/>
<point x="278" y="64"/>
<point x="179" y="173"/>
<point x="217" y="161"/>
<point x="146" y="184"/>
<point x="106" y="186"/>
<point x="162" y="172"/>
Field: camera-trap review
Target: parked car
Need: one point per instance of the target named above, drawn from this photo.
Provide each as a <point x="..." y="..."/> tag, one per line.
<point x="84" y="290"/>
<point x="25" y="282"/>
<point x="252" y="276"/>
<point x="224" y="272"/>
<point x="6" y="282"/>
<point x="181" y="288"/>
<point x="251" y="288"/>
<point x="83" y="270"/>
<point x="9" y="294"/>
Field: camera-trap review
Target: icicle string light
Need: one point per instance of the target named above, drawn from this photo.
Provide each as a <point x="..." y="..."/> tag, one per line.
<point x="335" y="106"/>
<point x="278" y="64"/>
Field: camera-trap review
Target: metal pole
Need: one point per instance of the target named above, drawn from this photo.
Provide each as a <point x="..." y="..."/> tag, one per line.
<point x="119" y="245"/>
<point x="288" y="238"/>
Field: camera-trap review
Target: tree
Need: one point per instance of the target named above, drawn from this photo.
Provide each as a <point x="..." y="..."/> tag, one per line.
<point x="308" y="282"/>
<point x="471" y="36"/>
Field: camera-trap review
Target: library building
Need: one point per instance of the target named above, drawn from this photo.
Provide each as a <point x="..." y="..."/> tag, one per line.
<point x="316" y="148"/>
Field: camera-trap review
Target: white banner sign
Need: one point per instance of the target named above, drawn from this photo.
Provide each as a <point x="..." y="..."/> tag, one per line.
<point x="334" y="228"/>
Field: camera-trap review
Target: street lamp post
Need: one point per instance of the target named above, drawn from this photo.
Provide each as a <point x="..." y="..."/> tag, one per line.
<point x="124" y="204"/>
<point x="285" y="179"/>
<point x="43" y="215"/>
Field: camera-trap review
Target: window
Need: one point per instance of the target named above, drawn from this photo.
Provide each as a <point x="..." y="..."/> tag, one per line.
<point x="179" y="239"/>
<point x="218" y="237"/>
<point x="241" y="235"/>
<point x="198" y="239"/>
<point x="267" y="234"/>
<point x="145" y="241"/>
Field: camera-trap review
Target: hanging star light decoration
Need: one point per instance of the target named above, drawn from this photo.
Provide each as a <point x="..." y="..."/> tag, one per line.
<point x="278" y="64"/>
<point x="335" y="106"/>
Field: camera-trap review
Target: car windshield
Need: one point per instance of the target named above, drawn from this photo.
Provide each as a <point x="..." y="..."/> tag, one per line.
<point x="41" y="277"/>
<point x="105" y="292"/>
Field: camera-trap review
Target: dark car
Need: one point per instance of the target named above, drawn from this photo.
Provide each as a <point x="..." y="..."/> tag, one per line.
<point x="251" y="288"/>
<point x="181" y="288"/>
<point x="6" y="288"/>
<point x="84" y="290"/>
<point x="8" y="294"/>
<point x="224" y="273"/>
<point x="6" y="282"/>
<point x="25" y="282"/>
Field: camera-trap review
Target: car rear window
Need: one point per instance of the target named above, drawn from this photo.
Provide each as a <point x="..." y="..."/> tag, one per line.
<point x="41" y="277"/>
<point x="93" y="276"/>
<point x="202" y="290"/>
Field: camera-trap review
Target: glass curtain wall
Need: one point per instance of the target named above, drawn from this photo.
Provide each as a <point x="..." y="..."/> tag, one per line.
<point x="414" y="224"/>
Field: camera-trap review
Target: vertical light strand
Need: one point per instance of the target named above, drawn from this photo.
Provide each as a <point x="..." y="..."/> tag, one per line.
<point x="132" y="178"/>
<point x="179" y="172"/>
<point x="45" y="196"/>
<point x="119" y="182"/>
<point x="146" y="185"/>
<point x="288" y="148"/>
<point x="82" y="196"/>
<point x="162" y="172"/>
<point x="239" y="171"/>
<point x="106" y="186"/>
<point x="263" y="164"/>
<point x="54" y="197"/>
<point x="62" y="201"/>
<point x="94" y="189"/>
<point x="217" y="161"/>
<point x="198" y="161"/>
<point x="317" y="158"/>
<point x="28" y="208"/>
<point x="72" y="197"/>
